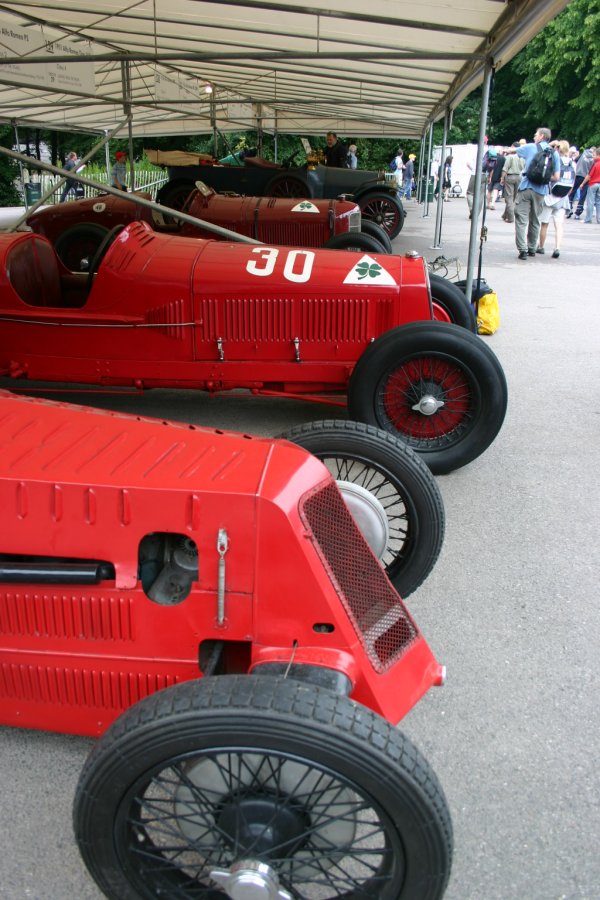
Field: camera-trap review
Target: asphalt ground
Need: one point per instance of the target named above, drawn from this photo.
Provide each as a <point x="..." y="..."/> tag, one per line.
<point x="511" y="607"/>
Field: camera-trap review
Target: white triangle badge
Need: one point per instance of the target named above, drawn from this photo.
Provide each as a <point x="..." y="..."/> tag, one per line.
<point x="369" y="271"/>
<point x="305" y="206"/>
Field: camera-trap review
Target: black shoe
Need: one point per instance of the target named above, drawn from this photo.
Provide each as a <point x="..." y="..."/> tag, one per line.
<point x="531" y="253"/>
<point x="523" y="254"/>
<point x="539" y="250"/>
<point x="569" y="214"/>
<point x="556" y="254"/>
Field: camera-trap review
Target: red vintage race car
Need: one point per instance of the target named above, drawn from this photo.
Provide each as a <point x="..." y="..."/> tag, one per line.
<point x="159" y="310"/>
<point x="77" y="229"/>
<point x="205" y="602"/>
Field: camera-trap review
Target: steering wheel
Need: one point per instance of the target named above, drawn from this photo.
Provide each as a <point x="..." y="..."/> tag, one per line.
<point x="287" y="162"/>
<point x="100" y="253"/>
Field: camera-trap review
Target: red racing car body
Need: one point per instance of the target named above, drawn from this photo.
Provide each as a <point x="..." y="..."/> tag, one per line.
<point x="77" y="228"/>
<point x="212" y="594"/>
<point x="169" y="311"/>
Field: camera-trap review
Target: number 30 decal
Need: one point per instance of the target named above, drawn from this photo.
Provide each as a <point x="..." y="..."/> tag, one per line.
<point x="298" y="263"/>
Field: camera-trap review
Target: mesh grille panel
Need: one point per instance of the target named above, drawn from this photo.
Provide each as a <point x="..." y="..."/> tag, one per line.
<point x="373" y="606"/>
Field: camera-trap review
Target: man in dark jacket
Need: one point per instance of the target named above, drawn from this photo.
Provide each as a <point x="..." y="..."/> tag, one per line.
<point x="336" y="153"/>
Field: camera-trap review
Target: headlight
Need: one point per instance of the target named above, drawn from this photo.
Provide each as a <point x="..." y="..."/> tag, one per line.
<point x="354" y="221"/>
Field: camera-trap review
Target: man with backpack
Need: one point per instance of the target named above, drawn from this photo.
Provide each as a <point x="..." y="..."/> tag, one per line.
<point x="542" y="166"/>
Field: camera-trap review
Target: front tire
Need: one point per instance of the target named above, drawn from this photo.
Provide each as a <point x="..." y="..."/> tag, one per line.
<point x="450" y="304"/>
<point x="437" y="386"/>
<point x="380" y="476"/>
<point x="198" y="777"/>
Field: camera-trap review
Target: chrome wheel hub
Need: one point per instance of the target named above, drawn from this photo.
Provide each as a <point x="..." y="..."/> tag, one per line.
<point x="369" y="515"/>
<point x="250" y="879"/>
<point x="428" y="405"/>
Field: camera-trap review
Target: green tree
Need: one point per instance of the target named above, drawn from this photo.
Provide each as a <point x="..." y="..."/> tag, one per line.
<point x="560" y="71"/>
<point x="9" y="170"/>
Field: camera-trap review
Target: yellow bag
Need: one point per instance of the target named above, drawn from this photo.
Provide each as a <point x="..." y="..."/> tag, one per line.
<point x="488" y="313"/>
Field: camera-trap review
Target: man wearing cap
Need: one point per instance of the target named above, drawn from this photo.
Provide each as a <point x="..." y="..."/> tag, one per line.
<point x="118" y="176"/>
<point x="409" y="173"/>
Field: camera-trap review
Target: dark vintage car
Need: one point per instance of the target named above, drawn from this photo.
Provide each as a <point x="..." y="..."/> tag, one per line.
<point x="204" y="603"/>
<point x="378" y="199"/>
<point x="158" y="310"/>
<point x="77" y="228"/>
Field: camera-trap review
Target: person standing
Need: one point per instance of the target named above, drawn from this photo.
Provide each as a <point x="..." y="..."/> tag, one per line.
<point x="510" y="178"/>
<point x="352" y="159"/>
<point x="336" y="153"/>
<point x="592" y="200"/>
<point x="495" y="179"/>
<point x="530" y="195"/>
<point x="584" y="164"/>
<point x="118" y="176"/>
<point x="471" y="163"/>
<point x="397" y="166"/>
<point x="557" y="201"/>
<point x="409" y="174"/>
<point x="70" y="184"/>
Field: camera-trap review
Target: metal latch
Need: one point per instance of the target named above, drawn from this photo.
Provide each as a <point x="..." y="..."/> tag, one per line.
<point x="220" y="349"/>
<point x="297" y="349"/>
<point x="222" y="548"/>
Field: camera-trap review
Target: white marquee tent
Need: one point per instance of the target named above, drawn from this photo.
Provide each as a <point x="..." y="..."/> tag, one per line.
<point x="385" y="67"/>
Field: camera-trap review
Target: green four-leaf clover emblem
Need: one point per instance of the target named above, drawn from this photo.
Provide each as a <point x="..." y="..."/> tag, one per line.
<point x="371" y="269"/>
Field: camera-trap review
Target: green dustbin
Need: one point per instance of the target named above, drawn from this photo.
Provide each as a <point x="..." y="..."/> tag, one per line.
<point x="33" y="192"/>
<point x="430" y="187"/>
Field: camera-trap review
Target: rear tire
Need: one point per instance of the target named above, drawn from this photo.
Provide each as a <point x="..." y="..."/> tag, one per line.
<point x="356" y="241"/>
<point x="400" y="485"/>
<point x="379" y="233"/>
<point x="450" y="304"/>
<point x="327" y="795"/>
<point x="385" y="210"/>
<point x="438" y="387"/>
<point x="284" y="185"/>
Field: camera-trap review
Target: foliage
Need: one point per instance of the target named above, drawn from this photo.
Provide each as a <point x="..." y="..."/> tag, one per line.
<point x="560" y="72"/>
<point x="9" y="170"/>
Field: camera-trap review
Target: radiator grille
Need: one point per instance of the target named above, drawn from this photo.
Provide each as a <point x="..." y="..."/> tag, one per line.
<point x="302" y="233"/>
<point x="257" y="319"/>
<point x="63" y="616"/>
<point x="373" y="606"/>
<point x="65" y="686"/>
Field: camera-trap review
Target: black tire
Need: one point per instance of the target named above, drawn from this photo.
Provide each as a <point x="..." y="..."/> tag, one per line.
<point x="101" y="252"/>
<point x="450" y="304"/>
<point x="198" y="776"/>
<point x="284" y="185"/>
<point x="376" y="231"/>
<point x="431" y="363"/>
<point x="78" y="243"/>
<point x="399" y="485"/>
<point x="356" y="241"/>
<point x="385" y="210"/>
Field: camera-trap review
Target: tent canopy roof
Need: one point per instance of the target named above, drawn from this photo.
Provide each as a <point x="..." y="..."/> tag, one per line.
<point x="386" y="68"/>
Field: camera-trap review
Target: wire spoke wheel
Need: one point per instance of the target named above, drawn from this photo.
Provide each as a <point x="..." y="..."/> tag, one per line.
<point x="385" y="210"/>
<point x="391" y="493"/>
<point x="200" y="786"/>
<point x="438" y="387"/>
<point x="406" y="391"/>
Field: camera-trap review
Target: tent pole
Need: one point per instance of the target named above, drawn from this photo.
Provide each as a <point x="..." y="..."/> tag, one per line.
<point x="126" y="84"/>
<point x="427" y="173"/>
<point x="485" y="98"/>
<point x="437" y="238"/>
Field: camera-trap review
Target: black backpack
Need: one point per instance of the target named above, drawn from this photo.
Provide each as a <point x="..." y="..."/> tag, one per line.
<point x="541" y="167"/>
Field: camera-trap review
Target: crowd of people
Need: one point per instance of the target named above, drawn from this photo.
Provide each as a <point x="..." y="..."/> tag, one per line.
<point x="569" y="188"/>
